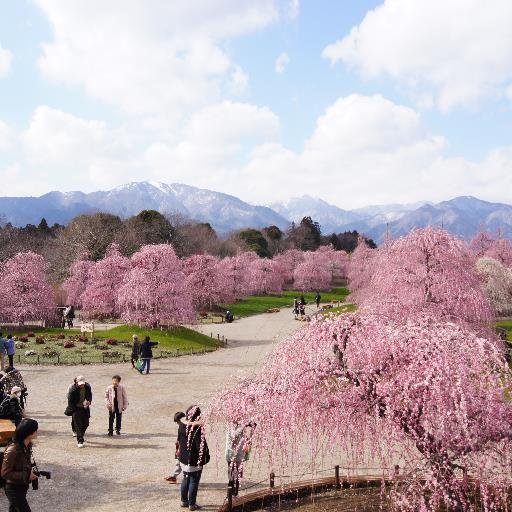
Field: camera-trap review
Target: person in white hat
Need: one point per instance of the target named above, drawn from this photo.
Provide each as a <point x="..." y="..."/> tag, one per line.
<point x="79" y="402"/>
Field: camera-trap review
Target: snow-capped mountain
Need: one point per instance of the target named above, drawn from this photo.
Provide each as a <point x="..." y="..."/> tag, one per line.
<point x="463" y="216"/>
<point x="224" y="212"/>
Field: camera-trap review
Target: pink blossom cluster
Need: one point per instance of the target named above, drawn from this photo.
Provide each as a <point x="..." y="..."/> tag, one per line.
<point x="154" y="286"/>
<point x="25" y="293"/>
<point x="415" y="377"/>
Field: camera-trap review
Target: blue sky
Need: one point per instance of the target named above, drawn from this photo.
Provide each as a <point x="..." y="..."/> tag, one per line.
<point x="375" y="102"/>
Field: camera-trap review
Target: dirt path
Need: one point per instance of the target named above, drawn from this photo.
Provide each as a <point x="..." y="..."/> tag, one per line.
<point x="126" y="473"/>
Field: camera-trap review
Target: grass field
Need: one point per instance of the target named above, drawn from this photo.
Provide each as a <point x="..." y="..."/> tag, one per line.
<point x="260" y="303"/>
<point x="506" y="324"/>
<point x="172" y="343"/>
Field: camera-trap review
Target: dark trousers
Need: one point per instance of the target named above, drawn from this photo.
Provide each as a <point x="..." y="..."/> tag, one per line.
<point x="117" y="414"/>
<point x="73" y="424"/>
<point x="17" y="496"/>
<point x="133" y="359"/>
<point x="11" y="361"/>
<point x="146" y="363"/>
<point x="234" y="475"/>
<point x="189" y="487"/>
<point x="81" y="420"/>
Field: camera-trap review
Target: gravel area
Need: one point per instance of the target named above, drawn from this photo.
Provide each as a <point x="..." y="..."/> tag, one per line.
<point x="128" y="471"/>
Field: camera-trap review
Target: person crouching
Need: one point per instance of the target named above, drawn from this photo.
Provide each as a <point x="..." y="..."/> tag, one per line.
<point x="79" y="401"/>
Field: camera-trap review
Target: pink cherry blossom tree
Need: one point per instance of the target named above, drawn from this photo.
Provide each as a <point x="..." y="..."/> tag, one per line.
<point x="310" y="275"/>
<point x="233" y="277"/>
<point x="428" y="270"/>
<point x="265" y="276"/>
<point x="76" y="283"/>
<point x="25" y="293"/>
<point x="429" y="393"/>
<point x="497" y="284"/>
<point x="501" y="250"/>
<point x="481" y="243"/>
<point x="155" y="292"/>
<point x="201" y="280"/>
<point x="104" y="280"/>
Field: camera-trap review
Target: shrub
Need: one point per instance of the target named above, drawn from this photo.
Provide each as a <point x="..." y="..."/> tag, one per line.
<point x="61" y="336"/>
<point x="30" y="334"/>
<point x="50" y="354"/>
<point x="82" y="338"/>
<point x="40" y="340"/>
<point x="20" y="344"/>
<point x="113" y="354"/>
<point x="23" y="339"/>
<point x="111" y="341"/>
<point x="69" y="344"/>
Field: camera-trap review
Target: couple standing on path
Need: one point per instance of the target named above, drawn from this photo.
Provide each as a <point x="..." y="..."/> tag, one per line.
<point x="79" y="402"/>
<point x="142" y="352"/>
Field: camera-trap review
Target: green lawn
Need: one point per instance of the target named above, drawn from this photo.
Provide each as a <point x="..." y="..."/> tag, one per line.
<point x="347" y="308"/>
<point x="172" y="343"/>
<point x="260" y="303"/>
<point x="506" y="324"/>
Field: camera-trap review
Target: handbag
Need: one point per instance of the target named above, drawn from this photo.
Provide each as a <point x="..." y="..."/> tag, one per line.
<point x="69" y="411"/>
<point x="138" y="363"/>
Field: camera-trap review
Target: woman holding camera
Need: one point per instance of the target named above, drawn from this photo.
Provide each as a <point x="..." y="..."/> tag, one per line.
<point x="17" y="466"/>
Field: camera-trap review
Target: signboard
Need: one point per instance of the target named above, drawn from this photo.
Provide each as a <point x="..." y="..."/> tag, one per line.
<point x="87" y="328"/>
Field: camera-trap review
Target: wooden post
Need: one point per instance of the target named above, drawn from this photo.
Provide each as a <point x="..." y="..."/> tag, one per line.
<point x="272" y="480"/>
<point x="230" y="498"/>
<point x="337" y="477"/>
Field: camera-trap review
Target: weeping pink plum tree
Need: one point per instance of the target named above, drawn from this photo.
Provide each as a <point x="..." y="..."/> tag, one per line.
<point x="360" y="269"/>
<point x="104" y="280"/>
<point x="481" y="243"/>
<point x="497" y="284"/>
<point x="288" y="261"/>
<point x="76" y="283"/>
<point x="233" y="278"/>
<point x="309" y="276"/>
<point x="429" y="393"/>
<point x="25" y="293"/>
<point x="201" y="280"/>
<point x="154" y="292"/>
<point x="265" y="276"/>
<point x="501" y="250"/>
<point x="430" y="271"/>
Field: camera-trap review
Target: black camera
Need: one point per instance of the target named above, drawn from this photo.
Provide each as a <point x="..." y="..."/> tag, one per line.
<point x="35" y="483"/>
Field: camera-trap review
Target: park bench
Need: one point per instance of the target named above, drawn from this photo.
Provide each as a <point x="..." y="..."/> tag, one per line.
<point x="7" y="429"/>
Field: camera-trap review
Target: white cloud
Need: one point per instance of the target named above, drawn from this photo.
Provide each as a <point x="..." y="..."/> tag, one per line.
<point x="453" y="52"/>
<point x="239" y="81"/>
<point x="294" y="8"/>
<point x="5" y="61"/>
<point x="161" y="60"/>
<point x="281" y="62"/>
<point x="6" y="136"/>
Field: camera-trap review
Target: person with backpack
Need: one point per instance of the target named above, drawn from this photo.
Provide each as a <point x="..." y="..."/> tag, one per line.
<point x="193" y="456"/>
<point x="116" y="400"/>
<point x="17" y="469"/>
<point x="135" y="350"/>
<point x="146" y="354"/>
<point x="79" y="403"/>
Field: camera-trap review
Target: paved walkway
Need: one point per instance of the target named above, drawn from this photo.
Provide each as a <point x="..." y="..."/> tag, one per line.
<point x="126" y="473"/>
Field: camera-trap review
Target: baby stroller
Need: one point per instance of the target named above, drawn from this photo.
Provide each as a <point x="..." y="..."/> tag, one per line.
<point x="13" y="378"/>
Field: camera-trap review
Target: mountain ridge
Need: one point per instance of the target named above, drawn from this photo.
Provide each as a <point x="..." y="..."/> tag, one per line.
<point x="462" y="215"/>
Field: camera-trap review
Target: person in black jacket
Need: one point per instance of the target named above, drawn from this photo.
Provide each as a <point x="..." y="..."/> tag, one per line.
<point x="146" y="353"/>
<point x="79" y="401"/>
<point x="193" y="455"/>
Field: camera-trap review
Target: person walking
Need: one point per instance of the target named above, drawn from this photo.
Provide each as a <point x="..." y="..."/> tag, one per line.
<point x="193" y="456"/>
<point x="2" y="352"/>
<point x="318" y="298"/>
<point x="70" y="388"/>
<point x="116" y="400"/>
<point x="146" y="353"/>
<point x="70" y="315"/>
<point x="79" y="402"/>
<point x="135" y="350"/>
<point x="17" y="466"/>
<point x="10" y="348"/>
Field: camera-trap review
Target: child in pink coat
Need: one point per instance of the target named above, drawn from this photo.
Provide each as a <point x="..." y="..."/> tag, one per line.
<point x="116" y="400"/>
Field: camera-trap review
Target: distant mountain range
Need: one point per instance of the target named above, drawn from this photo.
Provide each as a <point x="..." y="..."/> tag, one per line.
<point x="463" y="216"/>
